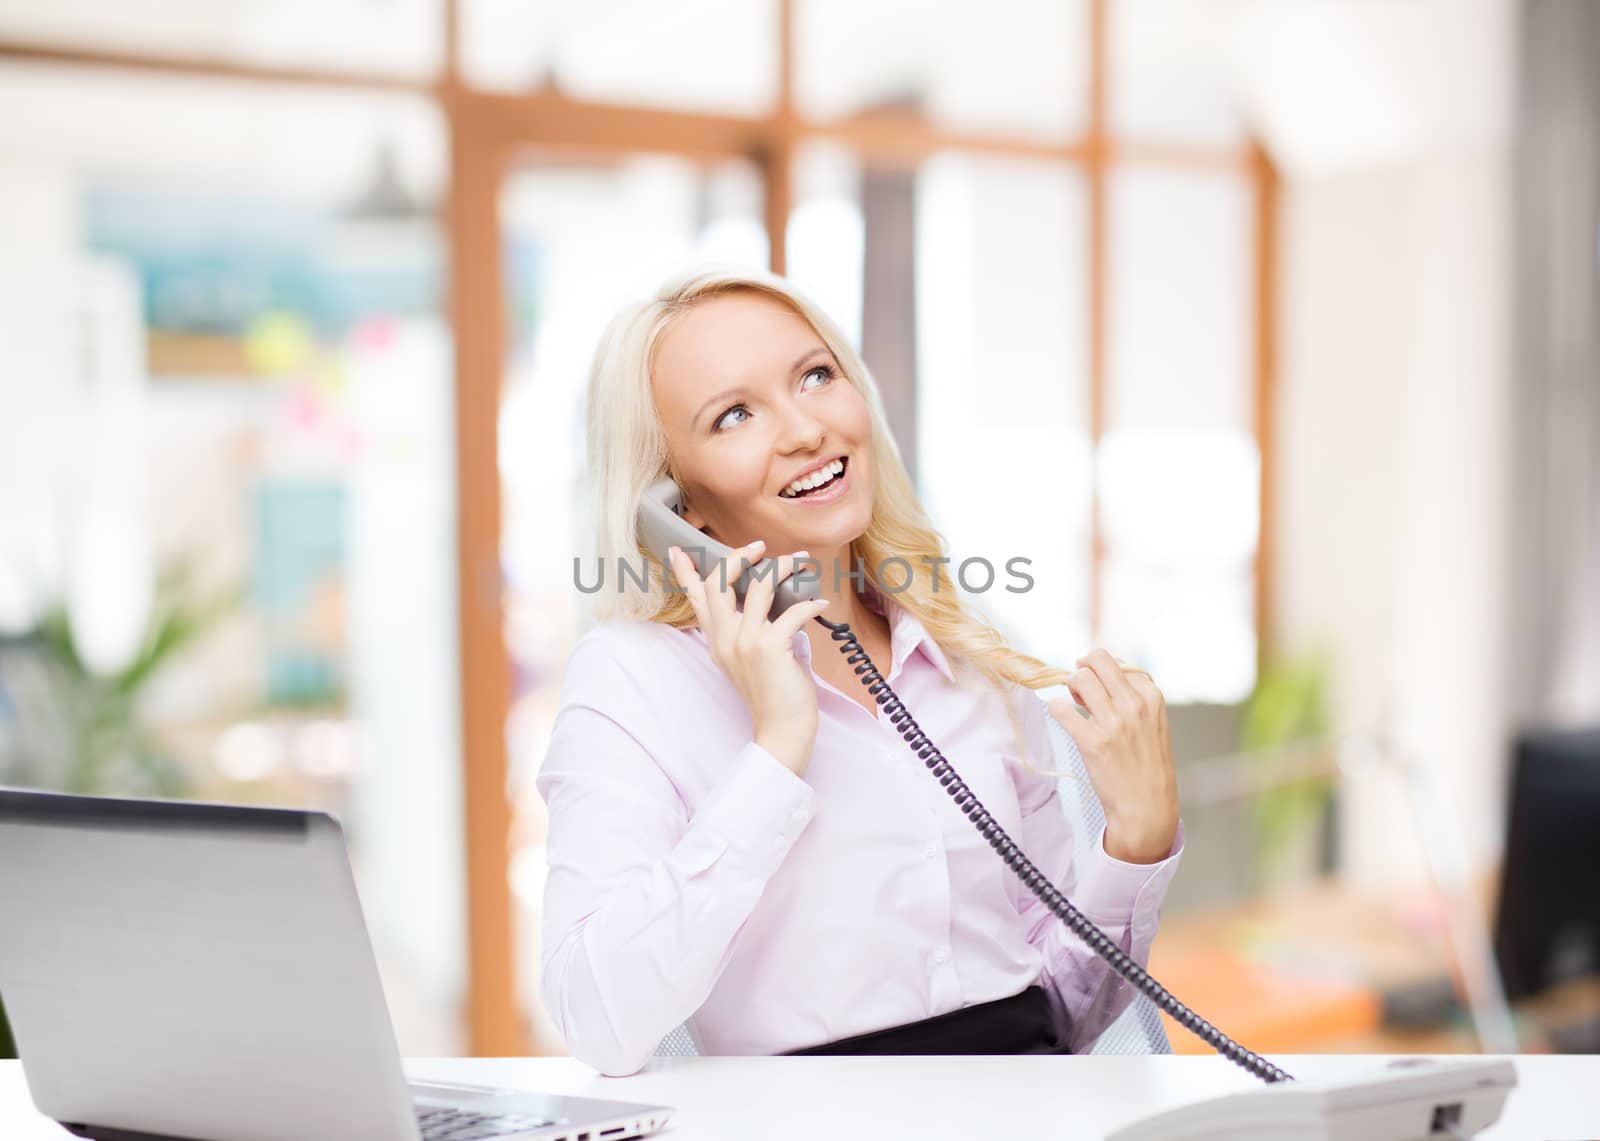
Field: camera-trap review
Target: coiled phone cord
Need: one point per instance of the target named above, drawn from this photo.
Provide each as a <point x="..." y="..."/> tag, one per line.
<point x="1018" y="861"/>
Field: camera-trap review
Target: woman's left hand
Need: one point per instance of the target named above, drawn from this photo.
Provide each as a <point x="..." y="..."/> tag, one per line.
<point x="1127" y="748"/>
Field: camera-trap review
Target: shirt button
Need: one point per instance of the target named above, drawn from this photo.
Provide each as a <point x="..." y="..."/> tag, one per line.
<point x="929" y="852"/>
<point x="941" y="956"/>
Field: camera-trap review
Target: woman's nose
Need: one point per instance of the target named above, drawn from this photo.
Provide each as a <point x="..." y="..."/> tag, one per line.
<point x="801" y="430"/>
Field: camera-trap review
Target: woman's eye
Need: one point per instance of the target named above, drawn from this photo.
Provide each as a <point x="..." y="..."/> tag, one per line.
<point x="723" y="418"/>
<point x="821" y="370"/>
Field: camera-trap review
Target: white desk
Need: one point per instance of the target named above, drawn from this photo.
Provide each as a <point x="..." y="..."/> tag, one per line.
<point x="750" y="1099"/>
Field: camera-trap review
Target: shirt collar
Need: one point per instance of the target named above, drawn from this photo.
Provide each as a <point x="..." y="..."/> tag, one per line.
<point x="906" y="633"/>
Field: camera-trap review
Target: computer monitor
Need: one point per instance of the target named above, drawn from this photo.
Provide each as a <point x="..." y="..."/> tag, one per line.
<point x="1547" y="930"/>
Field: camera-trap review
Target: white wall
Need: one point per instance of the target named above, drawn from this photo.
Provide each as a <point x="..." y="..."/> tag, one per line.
<point x="1393" y="458"/>
<point x="1393" y="434"/>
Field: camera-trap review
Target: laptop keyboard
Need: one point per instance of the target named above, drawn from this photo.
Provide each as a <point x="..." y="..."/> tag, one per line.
<point x="463" y="1125"/>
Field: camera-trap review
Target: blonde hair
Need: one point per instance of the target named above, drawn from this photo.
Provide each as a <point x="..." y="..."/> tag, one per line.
<point x="627" y="452"/>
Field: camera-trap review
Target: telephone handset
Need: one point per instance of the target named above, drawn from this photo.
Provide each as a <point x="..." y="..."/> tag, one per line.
<point x="661" y="526"/>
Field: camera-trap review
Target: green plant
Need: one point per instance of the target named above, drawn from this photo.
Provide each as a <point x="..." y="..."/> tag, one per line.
<point x="96" y="741"/>
<point x="86" y="735"/>
<point x="1287" y="710"/>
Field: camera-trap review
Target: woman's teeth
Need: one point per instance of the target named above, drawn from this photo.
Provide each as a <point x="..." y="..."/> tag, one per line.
<point x="818" y="478"/>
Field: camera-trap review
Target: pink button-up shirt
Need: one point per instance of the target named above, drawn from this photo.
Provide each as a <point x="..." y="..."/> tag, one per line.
<point x="695" y="879"/>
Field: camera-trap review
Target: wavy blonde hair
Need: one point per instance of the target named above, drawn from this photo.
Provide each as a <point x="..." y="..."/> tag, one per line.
<point x="627" y="452"/>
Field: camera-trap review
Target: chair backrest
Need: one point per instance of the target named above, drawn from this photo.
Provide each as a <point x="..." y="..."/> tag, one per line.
<point x="677" y="1043"/>
<point x="1138" y="1030"/>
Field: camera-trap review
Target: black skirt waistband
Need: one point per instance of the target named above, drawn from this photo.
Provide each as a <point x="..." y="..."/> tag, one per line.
<point x="1020" y="1024"/>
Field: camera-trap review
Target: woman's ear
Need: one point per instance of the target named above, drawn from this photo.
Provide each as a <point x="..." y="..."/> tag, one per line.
<point x="686" y="510"/>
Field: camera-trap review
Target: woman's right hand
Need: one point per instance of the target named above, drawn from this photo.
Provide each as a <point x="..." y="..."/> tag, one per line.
<point x="756" y="654"/>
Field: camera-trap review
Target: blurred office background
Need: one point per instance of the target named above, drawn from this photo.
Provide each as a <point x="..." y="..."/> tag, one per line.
<point x="1285" y="310"/>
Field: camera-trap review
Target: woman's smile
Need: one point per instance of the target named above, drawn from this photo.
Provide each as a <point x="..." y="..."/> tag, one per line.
<point x="836" y="485"/>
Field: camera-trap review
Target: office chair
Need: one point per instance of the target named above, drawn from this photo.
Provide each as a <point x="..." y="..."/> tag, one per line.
<point x="1138" y="1030"/>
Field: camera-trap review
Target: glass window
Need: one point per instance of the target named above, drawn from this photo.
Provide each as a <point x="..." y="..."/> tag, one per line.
<point x="825" y="240"/>
<point x="1179" y="284"/>
<point x="1021" y="70"/>
<point x="1179" y="463"/>
<point x="691" y="55"/>
<point x="1180" y="518"/>
<point x="1002" y="348"/>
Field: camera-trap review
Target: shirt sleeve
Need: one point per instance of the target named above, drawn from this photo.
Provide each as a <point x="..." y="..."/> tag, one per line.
<point x="643" y="898"/>
<point x="1122" y="899"/>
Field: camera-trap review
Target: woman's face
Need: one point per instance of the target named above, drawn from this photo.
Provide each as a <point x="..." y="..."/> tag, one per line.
<point x="751" y="399"/>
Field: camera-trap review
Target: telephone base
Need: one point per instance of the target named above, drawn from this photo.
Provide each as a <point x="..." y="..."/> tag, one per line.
<point x="1413" y="1099"/>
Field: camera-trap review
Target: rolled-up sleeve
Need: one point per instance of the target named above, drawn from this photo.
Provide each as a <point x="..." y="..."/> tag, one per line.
<point x="1122" y="899"/>
<point x="644" y="899"/>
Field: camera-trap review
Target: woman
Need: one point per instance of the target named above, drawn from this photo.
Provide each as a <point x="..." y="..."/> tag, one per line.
<point x="737" y="841"/>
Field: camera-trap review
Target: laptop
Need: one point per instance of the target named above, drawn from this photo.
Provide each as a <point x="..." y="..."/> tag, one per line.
<point x="181" y="970"/>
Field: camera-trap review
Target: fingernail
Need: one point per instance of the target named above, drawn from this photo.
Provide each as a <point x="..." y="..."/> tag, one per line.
<point x="758" y="543"/>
